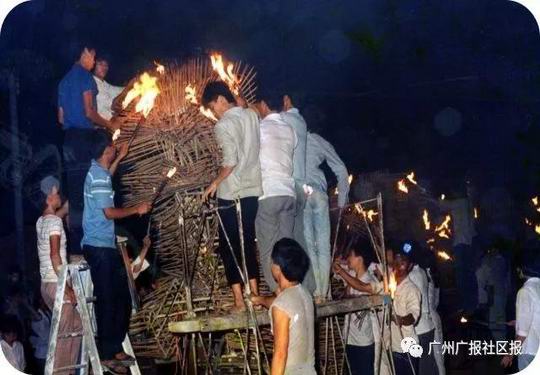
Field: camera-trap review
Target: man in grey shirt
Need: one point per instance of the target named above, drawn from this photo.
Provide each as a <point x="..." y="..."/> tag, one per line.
<point x="239" y="178"/>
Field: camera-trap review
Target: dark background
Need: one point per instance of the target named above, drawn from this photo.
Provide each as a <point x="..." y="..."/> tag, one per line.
<point x="448" y="88"/>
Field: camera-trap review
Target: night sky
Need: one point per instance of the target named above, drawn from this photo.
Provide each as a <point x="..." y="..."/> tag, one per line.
<point x="448" y="88"/>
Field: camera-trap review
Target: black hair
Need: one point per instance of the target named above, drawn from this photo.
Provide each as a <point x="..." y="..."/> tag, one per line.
<point x="10" y="324"/>
<point x="291" y="258"/>
<point x="215" y="89"/>
<point x="79" y="47"/>
<point x="100" y="140"/>
<point x="42" y="200"/>
<point x="274" y="102"/>
<point x="362" y="248"/>
<point x="103" y="57"/>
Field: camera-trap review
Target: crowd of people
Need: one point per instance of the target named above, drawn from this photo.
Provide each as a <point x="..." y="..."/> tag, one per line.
<point x="271" y="178"/>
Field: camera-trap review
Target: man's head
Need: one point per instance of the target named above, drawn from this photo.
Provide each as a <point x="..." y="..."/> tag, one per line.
<point x="218" y="98"/>
<point x="9" y="328"/>
<point x="87" y="56"/>
<point x="102" y="67"/>
<point x="268" y="103"/>
<point x="289" y="261"/>
<point x="50" y="193"/>
<point x="287" y="102"/>
<point x="103" y="148"/>
<point x="530" y="266"/>
<point x="403" y="260"/>
<point x="360" y="255"/>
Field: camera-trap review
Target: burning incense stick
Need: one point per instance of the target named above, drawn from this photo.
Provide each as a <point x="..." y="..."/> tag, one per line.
<point x="157" y="193"/>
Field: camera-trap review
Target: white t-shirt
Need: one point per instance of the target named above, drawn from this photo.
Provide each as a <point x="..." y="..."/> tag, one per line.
<point x="528" y="315"/>
<point x="104" y="99"/>
<point x="14" y="354"/>
<point x="419" y="277"/>
<point x="278" y="141"/>
<point x="47" y="226"/>
<point x="406" y="301"/>
<point x="358" y="325"/>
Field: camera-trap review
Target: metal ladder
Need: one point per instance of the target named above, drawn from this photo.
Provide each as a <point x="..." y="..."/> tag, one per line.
<point x="83" y="288"/>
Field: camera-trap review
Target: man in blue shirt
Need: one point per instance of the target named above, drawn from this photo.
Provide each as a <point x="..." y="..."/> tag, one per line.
<point x="316" y="212"/>
<point x="77" y="114"/>
<point x="113" y="304"/>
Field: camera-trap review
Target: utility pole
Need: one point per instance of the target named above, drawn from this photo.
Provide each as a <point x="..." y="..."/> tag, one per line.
<point x="16" y="172"/>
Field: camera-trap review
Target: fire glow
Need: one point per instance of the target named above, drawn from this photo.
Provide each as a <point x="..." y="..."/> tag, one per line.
<point x="425" y="217"/>
<point x="147" y="90"/>
<point x="410" y="177"/>
<point x="191" y="94"/>
<point x="116" y="135"/>
<point x="392" y="284"/>
<point x="225" y="74"/>
<point x="159" y="68"/>
<point x="207" y="113"/>
<point x="443" y="255"/>
<point x="402" y="187"/>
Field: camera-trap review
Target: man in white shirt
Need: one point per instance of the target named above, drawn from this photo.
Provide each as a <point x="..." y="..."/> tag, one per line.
<point x="425" y="328"/>
<point x="239" y="179"/>
<point x="106" y="91"/>
<point x="528" y="311"/>
<point x="406" y="312"/>
<point x="276" y="212"/>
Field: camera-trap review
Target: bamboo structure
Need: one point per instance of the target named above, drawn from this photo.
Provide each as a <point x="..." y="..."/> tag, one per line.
<point x="183" y="229"/>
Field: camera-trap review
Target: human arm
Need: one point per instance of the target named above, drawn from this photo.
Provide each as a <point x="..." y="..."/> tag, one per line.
<point x="61" y="116"/>
<point x="280" y="321"/>
<point x="63" y="211"/>
<point x="91" y="113"/>
<point x="113" y="213"/>
<point x="265" y="301"/>
<point x="122" y="153"/>
<point x="524" y="318"/>
<point x="229" y="151"/>
<point x="351" y="281"/>
<point x="338" y="167"/>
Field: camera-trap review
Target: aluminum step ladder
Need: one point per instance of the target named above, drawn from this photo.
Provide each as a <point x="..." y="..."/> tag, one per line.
<point x="81" y="282"/>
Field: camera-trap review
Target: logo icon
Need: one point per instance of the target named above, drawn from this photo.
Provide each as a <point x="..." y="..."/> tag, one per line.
<point x="409" y="345"/>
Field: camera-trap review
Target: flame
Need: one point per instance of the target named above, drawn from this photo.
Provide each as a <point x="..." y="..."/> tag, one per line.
<point x="410" y="177"/>
<point x="431" y="240"/>
<point x="402" y="187"/>
<point x="159" y="68"/>
<point x="443" y="255"/>
<point x="443" y="197"/>
<point x="444" y="224"/>
<point x="527" y="221"/>
<point x="476" y="213"/>
<point x="392" y="284"/>
<point x="116" y="135"/>
<point x="444" y="234"/>
<point x="535" y="201"/>
<point x="537" y="228"/>
<point x="425" y="217"/>
<point x="191" y="94"/>
<point x="463" y="320"/>
<point x="207" y="113"/>
<point x="147" y="89"/>
<point x="226" y="75"/>
<point x="171" y="172"/>
<point x="368" y="215"/>
<point x="350" y="178"/>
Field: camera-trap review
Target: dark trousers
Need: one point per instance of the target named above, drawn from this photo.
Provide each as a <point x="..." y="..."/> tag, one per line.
<point x="249" y="207"/>
<point x="402" y="364"/>
<point x="113" y="303"/>
<point x="427" y="364"/>
<point x="77" y="157"/>
<point x="361" y="359"/>
<point x="465" y="273"/>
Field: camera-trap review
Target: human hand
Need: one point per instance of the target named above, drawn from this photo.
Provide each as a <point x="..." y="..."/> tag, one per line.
<point x="122" y="149"/>
<point x="143" y="208"/>
<point x="336" y="267"/>
<point x="507" y="360"/>
<point x="256" y="300"/>
<point x="146" y="242"/>
<point x="210" y="191"/>
<point x="137" y="268"/>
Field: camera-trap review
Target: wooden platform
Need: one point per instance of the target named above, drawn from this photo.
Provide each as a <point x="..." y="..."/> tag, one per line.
<point x="241" y="320"/>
